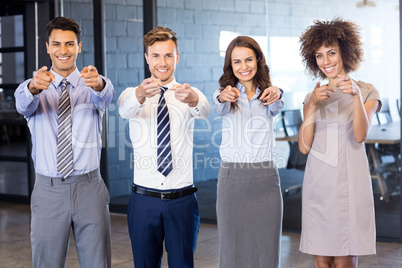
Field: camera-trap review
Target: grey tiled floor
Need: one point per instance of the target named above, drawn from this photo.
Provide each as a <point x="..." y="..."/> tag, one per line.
<point x="15" y="249"/>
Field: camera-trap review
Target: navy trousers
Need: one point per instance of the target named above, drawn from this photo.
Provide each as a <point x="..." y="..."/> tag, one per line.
<point x="152" y="220"/>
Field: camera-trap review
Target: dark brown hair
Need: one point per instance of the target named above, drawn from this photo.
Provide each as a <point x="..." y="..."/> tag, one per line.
<point x="64" y="24"/>
<point x="345" y="34"/>
<point x="159" y="34"/>
<point x="261" y="79"/>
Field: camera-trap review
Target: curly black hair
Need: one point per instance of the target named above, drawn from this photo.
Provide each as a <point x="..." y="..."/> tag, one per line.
<point x="345" y="34"/>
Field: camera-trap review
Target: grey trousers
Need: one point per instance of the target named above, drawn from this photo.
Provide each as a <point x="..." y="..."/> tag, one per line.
<point x="78" y="203"/>
<point x="249" y="215"/>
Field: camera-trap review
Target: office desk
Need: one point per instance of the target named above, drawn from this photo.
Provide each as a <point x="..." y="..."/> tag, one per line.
<point x="385" y="134"/>
<point x="379" y="134"/>
<point x="287" y="138"/>
<point x="389" y="134"/>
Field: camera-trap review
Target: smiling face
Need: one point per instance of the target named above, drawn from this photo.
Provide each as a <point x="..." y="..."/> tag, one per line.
<point x="63" y="49"/>
<point x="162" y="58"/>
<point x="329" y="60"/>
<point x="244" y="64"/>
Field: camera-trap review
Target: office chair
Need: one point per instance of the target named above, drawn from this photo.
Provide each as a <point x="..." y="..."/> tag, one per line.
<point x="389" y="154"/>
<point x="383" y="118"/>
<point x="291" y="121"/>
<point x="384" y="115"/>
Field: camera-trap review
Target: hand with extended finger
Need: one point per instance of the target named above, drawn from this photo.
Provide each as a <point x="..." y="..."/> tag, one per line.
<point x="92" y="78"/>
<point x="147" y="89"/>
<point x="320" y="93"/>
<point x="270" y="95"/>
<point x="348" y="86"/>
<point x="41" y="80"/>
<point x="185" y="94"/>
<point x="229" y="94"/>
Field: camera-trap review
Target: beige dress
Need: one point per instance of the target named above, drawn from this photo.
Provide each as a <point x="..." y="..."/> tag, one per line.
<point x="337" y="200"/>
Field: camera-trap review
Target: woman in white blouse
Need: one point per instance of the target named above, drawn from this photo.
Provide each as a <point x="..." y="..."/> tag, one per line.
<point x="249" y="199"/>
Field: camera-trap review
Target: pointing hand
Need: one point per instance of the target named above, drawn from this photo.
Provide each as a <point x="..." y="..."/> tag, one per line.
<point x="92" y="78"/>
<point x="41" y="80"/>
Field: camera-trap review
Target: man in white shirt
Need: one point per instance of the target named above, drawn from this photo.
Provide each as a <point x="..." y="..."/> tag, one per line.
<point x="163" y="205"/>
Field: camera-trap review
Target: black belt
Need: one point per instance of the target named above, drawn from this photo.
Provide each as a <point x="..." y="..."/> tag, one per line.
<point x="164" y="195"/>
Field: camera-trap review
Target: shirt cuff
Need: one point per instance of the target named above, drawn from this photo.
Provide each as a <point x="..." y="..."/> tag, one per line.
<point x="197" y="109"/>
<point x="103" y="91"/>
<point x="133" y="98"/>
<point x="217" y="98"/>
<point x="29" y="94"/>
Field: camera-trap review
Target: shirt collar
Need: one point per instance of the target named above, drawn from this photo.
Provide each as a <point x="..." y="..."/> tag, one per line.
<point x="242" y="88"/>
<point x="73" y="78"/>
<point x="170" y="85"/>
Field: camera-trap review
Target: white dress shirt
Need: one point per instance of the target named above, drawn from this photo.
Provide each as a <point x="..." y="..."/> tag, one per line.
<point x="247" y="134"/>
<point x="143" y="132"/>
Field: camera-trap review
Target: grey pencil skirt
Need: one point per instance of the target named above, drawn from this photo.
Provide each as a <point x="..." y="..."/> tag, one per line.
<point x="249" y="214"/>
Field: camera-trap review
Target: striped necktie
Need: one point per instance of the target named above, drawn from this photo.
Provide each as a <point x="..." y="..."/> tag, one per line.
<point x="164" y="150"/>
<point x="64" y="138"/>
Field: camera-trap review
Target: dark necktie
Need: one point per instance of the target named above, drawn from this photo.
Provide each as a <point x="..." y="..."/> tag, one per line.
<point x="64" y="138"/>
<point x="164" y="150"/>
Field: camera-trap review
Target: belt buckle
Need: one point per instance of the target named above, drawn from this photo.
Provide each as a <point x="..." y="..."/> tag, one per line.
<point x="163" y="194"/>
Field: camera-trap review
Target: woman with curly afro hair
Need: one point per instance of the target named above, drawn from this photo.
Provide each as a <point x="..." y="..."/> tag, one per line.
<point x="337" y="202"/>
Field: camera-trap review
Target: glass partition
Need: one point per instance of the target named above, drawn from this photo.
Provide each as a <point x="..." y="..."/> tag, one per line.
<point x="14" y="158"/>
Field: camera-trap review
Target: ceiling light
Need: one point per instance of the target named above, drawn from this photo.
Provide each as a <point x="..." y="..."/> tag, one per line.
<point x="365" y="3"/>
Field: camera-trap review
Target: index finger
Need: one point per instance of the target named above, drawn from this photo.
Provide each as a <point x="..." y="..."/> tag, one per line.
<point x="146" y="81"/>
<point x="180" y="88"/>
<point x="343" y="78"/>
<point x="265" y="93"/>
<point x="91" y="68"/>
<point x="157" y="80"/>
<point x="344" y="81"/>
<point x="174" y="87"/>
<point x="236" y="91"/>
<point x="52" y="76"/>
<point x="186" y="85"/>
<point x="42" y="70"/>
<point x="83" y="71"/>
<point x="327" y="88"/>
<point x="45" y="75"/>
